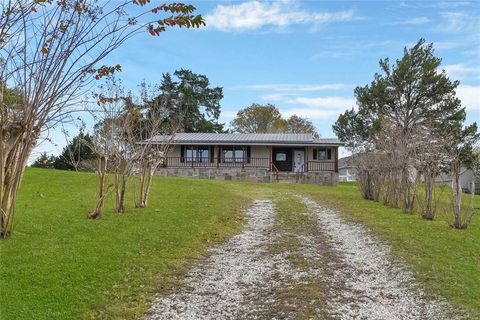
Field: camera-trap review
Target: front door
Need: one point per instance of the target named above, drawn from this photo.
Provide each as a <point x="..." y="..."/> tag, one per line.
<point x="298" y="160"/>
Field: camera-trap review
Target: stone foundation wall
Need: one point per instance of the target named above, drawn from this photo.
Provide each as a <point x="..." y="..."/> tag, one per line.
<point x="247" y="174"/>
<point x="250" y="174"/>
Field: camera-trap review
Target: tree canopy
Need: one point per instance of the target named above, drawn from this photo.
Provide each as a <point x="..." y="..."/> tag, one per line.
<point x="267" y="118"/>
<point x="188" y="99"/>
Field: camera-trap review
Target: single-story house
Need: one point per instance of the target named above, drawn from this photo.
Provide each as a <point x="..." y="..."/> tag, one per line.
<point x="347" y="171"/>
<point x="252" y="156"/>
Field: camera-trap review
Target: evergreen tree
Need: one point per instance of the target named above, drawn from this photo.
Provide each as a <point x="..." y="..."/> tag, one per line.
<point x="75" y="152"/>
<point x="189" y="100"/>
<point x="44" y="161"/>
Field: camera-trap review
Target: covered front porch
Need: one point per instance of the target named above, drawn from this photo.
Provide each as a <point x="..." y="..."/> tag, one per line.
<point x="297" y="159"/>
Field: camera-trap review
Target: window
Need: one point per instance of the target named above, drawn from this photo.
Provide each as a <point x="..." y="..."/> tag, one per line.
<point x="234" y="154"/>
<point x="197" y="153"/>
<point x="281" y="156"/>
<point x="324" y="154"/>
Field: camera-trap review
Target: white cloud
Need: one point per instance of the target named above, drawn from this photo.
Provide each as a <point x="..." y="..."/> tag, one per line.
<point x="470" y="96"/>
<point x="289" y="87"/>
<point x="312" y="114"/>
<point x="337" y="103"/>
<point x="413" y="21"/>
<point x="458" y="22"/>
<point x="318" y="108"/>
<point x="461" y="71"/>
<point x="253" y="15"/>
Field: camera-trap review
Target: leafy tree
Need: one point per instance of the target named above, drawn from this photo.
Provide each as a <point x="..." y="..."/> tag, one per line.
<point x="259" y="119"/>
<point x="267" y="119"/>
<point x="52" y="52"/>
<point x="189" y="100"/>
<point x="296" y="124"/>
<point x="77" y="150"/>
<point x="44" y="161"/>
<point x="406" y="107"/>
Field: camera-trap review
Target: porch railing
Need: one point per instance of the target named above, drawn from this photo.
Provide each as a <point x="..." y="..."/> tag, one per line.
<point x="208" y="162"/>
<point x="253" y="162"/>
<point x="321" y="166"/>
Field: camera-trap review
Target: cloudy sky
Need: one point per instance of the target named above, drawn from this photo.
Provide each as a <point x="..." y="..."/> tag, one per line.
<point x="306" y="57"/>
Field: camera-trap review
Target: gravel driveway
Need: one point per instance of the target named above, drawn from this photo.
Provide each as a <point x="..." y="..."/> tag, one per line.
<point x="345" y="274"/>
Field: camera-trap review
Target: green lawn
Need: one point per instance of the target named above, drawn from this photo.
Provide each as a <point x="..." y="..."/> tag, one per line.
<point x="60" y="265"/>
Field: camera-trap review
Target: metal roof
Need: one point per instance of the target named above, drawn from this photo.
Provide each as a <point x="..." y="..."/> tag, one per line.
<point x="248" y="138"/>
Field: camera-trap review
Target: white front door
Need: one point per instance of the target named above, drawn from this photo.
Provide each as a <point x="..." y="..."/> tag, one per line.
<point x="298" y="160"/>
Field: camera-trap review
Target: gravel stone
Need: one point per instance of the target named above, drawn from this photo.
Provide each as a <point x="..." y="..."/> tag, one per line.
<point x="245" y="279"/>
<point x="371" y="285"/>
<point x="227" y="286"/>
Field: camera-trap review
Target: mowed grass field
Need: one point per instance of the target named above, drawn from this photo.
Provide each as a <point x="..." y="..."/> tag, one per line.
<point x="60" y="265"/>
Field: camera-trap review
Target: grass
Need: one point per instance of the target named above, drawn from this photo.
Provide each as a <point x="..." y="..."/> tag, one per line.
<point x="60" y="265"/>
<point x="306" y="297"/>
<point x="447" y="261"/>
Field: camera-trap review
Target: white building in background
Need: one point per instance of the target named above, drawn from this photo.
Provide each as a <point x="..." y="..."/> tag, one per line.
<point x="346" y="170"/>
<point x="466" y="178"/>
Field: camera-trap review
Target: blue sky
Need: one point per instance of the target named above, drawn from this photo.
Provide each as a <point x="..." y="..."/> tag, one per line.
<point x="305" y="57"/>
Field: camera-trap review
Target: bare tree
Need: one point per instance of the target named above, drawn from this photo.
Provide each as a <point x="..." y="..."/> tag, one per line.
<point x="157" y="133"/>
<point x="459" y="145"/>
<point x="51" y="52"/>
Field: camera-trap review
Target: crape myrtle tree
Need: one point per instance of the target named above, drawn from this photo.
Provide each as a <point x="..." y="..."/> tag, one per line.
<point x="459" y="145"/>
<point x="126" y="124"/>
<point x="51" y="52"/>
<point x="402" y="115"/>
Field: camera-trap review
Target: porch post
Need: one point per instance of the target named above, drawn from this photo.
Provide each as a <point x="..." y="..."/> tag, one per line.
<point x="218" y="155"/>
<point x="305" y="166"/>
<point x="244" y="151"/>
<point x="270" y="159"/>
<point x="336" y="160"/>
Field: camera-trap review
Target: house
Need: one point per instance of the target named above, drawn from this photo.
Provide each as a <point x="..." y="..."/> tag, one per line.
<point x="466" y="178"/>
<point x="346" y="170"/>
<point x="264" y="157"/>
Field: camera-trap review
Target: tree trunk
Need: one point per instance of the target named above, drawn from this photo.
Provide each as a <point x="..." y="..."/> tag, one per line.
<point x="145" y="184"/>
<point x="102" y="193"/>
<point x="472" y="205"/>
<point x="429" y="211"/>
<point x="120" y="208"/>
<point x="457" y="198"/>
<point x="14" y="153"/>
<point x="117" y="190"/>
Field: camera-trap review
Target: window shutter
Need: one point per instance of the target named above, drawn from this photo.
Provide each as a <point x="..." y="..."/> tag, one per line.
<point x="212" y="153"/>
<point x="329" y="154"/>
<point x="182" y="154"/>
<point x="249" y="153"/>
<point x="315" y="151"/>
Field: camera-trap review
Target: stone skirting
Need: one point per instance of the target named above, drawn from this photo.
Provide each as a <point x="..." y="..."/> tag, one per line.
<point x="251" y="174"/>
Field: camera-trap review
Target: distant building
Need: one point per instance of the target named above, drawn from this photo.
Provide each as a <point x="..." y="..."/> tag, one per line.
<point x="346" y="170"/>
<point x="466" y="178"/>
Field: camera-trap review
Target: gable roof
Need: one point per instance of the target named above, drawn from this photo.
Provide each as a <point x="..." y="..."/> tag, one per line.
<point x="345" y="162"/>
<point x="304" y="139"/>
